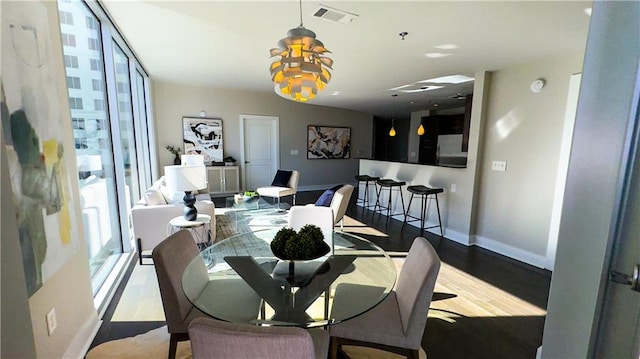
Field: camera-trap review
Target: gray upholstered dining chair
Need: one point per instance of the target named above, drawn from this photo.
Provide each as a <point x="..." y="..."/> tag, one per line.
<point x="214" y="339"/>
<point x="171" y="257"/>
<point x="396" y="324"/>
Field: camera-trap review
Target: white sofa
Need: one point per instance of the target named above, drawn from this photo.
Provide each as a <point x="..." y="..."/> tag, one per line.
<point x="151" y="215"/>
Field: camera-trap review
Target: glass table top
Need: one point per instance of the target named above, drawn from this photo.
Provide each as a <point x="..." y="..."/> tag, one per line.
<point x="240" y="280"/>
<point x="256" y="213"/>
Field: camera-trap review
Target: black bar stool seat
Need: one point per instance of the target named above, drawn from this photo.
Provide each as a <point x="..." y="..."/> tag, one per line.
<point x="424" y="192"/>
<point x="364" y="201"/>
<point x="390" y="185"/>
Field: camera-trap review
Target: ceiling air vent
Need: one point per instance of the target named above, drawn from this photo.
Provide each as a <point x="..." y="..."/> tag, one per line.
<point x="335" y="15"/>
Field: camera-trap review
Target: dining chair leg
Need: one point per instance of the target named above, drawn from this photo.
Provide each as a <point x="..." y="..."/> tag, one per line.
<point x="333" y="348"/>
<point x="173" y="346"/>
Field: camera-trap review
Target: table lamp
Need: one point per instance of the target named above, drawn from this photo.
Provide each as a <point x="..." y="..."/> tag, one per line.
<point x="187" y="179"/>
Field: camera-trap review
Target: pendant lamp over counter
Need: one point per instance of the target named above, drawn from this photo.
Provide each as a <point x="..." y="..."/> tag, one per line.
<point x="301" y="70"/>
<point x="420" y="129"/>
<point x="392" y="131"/>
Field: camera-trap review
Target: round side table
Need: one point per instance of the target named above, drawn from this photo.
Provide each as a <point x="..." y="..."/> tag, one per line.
<point x="200" y="228"/>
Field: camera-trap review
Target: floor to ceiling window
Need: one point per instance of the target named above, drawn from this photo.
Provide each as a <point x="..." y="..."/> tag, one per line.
<point x="109" y="128"/>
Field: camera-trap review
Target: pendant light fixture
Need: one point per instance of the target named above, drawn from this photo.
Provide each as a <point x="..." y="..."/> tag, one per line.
<point x="420" y="128"/>
<point x="392" y="131"/>
<point x="301" y="70"/>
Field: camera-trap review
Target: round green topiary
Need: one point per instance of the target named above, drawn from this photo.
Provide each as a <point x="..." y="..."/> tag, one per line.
<point x="307" y="244"/>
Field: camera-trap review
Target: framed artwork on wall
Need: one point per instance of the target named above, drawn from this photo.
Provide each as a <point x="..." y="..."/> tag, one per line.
<point x="328" y="142"/>
<point x="203" y="136"/>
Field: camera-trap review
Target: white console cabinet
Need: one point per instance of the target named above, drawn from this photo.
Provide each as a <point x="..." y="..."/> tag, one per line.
<point x="223" y="179"/>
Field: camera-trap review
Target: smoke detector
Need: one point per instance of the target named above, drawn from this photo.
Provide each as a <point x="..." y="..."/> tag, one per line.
<point x="335" y="15"/>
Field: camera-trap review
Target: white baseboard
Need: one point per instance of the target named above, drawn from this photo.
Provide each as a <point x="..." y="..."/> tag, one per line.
<point x="82" y="341"/>
<point x="509" y="251"/>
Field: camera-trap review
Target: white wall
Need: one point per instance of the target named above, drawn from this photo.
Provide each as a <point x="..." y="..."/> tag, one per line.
<point x="69" y="289"/>
<point x="524" y="129"/>
<point x="173" y="101"/>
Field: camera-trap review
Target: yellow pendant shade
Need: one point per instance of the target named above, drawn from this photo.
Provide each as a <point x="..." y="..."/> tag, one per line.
<point x="392" y="132"/>
<point x="421" y="130"/>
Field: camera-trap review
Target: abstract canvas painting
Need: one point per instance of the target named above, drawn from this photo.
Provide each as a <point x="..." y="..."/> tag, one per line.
<point x="203" y="136"/>
<point x="328" y="142"/>
<point x="37" y="131"/>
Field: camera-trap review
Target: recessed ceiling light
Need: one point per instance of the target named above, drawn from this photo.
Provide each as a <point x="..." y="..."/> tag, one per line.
<point x="435" y="55"/>
<point x="399" y="88"/>
<point x="446" y="46"/>
<point x="587" y="11"/>
<point x="453" y="79"/>
<point x="422" y="89"/>
<point x="435" y="105"/>
<point x="335" y="93"/>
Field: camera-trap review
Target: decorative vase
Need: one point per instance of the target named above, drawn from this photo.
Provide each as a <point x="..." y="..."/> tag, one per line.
<point x="176" y="160"/>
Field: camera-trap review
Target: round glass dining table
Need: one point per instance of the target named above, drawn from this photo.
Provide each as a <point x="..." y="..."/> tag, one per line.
<point x="240" y="280"/>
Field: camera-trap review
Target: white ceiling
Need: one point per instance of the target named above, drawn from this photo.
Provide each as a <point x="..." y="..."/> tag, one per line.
<point x="225" y="44"/>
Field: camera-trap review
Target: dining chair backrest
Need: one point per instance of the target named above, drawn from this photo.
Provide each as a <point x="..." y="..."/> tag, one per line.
<point x="214" y="339"/>
<point x="299" y="216"/>
<point x="340" y="202"/>
<point x="414" y="288"/>
<point x="170" y="258"/>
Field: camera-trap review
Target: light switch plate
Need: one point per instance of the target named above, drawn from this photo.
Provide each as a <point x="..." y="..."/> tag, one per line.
<point x="52" y="322"/>
<point x="499" y="166"/>
<point x="294" y="152"/>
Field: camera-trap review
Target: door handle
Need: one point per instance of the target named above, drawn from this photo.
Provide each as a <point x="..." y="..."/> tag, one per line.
<point x="626" y="279"/>
<point x="247" y="161"/>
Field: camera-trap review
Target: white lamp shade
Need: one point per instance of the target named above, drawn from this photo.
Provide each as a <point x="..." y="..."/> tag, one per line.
<point x="192" y="160"/>
<point x="89" y="163"/>
<point x="185" y="178"/>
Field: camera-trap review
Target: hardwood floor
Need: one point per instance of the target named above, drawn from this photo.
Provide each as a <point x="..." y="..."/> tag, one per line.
<point x="485" y="305"/>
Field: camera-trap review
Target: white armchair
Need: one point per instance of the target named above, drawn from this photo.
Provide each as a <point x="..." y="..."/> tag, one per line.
<point x="277" y="190"/>
<point x="340" y="203"/>
<point x="151" y="215"/>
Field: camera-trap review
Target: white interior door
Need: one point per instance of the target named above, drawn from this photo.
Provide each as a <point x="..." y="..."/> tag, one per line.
<point x="260" y="156"/>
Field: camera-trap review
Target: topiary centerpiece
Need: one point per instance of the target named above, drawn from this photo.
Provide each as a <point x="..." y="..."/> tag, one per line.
<point x="304" y="245"/>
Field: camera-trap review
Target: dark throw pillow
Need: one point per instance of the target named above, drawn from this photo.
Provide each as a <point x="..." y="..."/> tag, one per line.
<point x="281" y="179"/>
<point x="325" y="198"/>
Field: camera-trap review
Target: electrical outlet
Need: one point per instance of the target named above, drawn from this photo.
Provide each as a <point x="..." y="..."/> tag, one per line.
<point x="499" y="166"/>
<point x="453" y="187"/>
<point x="52" y="322"/>
<point x="294" y="152"/>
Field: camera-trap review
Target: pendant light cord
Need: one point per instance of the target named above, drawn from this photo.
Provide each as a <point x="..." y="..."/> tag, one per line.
<point x="301" y="25"/>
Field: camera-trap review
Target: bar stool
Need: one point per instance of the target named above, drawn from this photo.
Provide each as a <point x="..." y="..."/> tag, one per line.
<point x="424" y="192"/>
<point x="388" y="184"/>
<point x="366" y="179"/>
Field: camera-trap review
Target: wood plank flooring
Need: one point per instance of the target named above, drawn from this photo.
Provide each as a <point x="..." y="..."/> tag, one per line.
<point x="485" y="305"/>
